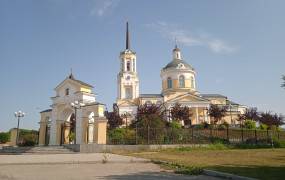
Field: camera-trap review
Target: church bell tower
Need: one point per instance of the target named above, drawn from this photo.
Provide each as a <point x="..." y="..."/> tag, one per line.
<point x="127" y="79"/>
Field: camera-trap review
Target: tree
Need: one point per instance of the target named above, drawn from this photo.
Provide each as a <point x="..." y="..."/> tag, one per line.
<point x="181" y="113"/>
<point x="4" y="137"/>
<point x="149" y="115"/>
<point x="283" y="83"/>
<point x="114" y="118"/>
<point x="270" y="119"/>
<point x="250" y="114"/>
<point x="217" y="113"/>
<point x="249" y="124"/>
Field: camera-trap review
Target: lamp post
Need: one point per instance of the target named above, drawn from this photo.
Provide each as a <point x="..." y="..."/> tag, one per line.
<point x="18" y="115"/>
<point x="76" y="105"/>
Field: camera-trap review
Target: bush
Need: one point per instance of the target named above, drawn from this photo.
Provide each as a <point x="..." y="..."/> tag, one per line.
<point x="263" y="126"/>
<point x="206" y="125"/>
<point x="249" y="124"/>
<point x="223" y="126"/>
<point x="198" y="126"/>
<point x="121" y="136"/>
<point x="4" y="137"/>
<point x="28" y="139"/>
<point x="175" y="125"/>
<point x="278" y="143"/>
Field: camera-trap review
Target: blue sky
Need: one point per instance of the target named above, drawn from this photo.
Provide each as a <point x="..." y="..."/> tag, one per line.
<point x="236" y="47"/>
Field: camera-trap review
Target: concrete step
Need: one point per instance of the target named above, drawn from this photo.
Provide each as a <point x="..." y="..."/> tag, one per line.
<point x="36" y="150"/>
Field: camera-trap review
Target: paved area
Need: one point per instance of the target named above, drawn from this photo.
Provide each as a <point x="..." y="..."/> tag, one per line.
<point x="83" y="167"/>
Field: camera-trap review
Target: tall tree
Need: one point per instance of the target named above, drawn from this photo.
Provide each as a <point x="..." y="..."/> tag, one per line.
<point x="149" y="115"/>
<point x="114" y="118"/>
<point x="271" y="119"/>
<point x="181" y="113"/>
<point x="217" y="112"/>
<point x="250" y="114"/>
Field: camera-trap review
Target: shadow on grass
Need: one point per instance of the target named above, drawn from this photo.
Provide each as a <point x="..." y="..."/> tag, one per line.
<point x="259" y="172"/>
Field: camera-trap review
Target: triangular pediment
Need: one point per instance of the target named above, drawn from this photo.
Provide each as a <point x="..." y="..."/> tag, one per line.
<point x="187" y="98"/>
<point x="65" y="82"/>
<point x="126" y="102"/>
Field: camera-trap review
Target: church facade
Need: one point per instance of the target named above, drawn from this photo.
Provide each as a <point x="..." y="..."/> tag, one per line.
<point x="76" y="117"/>
<point x="178" y="79"/>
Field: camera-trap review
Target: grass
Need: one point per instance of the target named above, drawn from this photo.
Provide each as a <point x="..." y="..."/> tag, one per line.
<point x="257" y="163"/>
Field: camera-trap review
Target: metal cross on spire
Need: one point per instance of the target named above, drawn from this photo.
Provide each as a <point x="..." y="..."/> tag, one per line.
<point x="128" y="45"/>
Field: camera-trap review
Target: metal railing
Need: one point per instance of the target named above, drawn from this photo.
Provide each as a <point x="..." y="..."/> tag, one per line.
<point x="191" y="136"/>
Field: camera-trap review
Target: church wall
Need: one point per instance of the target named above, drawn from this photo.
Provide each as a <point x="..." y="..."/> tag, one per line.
<point x="42" y="133"/>
<point x="84" y="89"/>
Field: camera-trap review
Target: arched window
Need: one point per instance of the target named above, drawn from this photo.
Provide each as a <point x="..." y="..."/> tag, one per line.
<point x="181" y="81"/>
<point x="128" y="65"/>
<point x="192" y="82"/>
<point x="67" y="91"/>
<point x="128" y="93"/>
<point x="169" y="83"/>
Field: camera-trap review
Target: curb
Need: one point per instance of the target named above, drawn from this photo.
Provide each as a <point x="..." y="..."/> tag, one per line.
<point x="225" y="175"/>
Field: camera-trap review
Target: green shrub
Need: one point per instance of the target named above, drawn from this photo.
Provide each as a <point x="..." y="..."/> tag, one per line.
<point x="278" y="143"/>
<point x="206" y="125"/>
<point x="175" y="125"/>
<point x="198" y="126"/>
<point x="249" y="124"/>
<point x="263" y="126"/>
<point x="4" y="137"/>
<point x="28" y="138"/>
<point x="223" y="126"/>
<point x="121" y="136"/>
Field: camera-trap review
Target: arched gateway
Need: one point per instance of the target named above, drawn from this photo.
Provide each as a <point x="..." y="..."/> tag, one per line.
<point x="75" y="117"/>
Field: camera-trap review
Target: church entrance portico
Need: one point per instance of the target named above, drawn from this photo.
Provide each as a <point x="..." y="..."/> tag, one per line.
<point x="73" y="125"/>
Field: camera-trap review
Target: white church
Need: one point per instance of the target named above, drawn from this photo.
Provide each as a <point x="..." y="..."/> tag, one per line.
<point x="76" y="117"/>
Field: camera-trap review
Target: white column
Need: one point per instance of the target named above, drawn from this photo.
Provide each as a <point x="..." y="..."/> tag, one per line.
<point x="53" y="127"/>
<point x="79" y="126"/>
<point x="125" y="65"/>
<point x="90" y="132"/>
<point x="197" y="116"/>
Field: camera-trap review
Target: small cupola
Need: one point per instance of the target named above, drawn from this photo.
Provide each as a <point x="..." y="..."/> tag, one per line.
<point x="176" y="53"/>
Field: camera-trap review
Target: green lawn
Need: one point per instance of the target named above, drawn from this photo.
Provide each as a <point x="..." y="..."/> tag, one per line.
<point x="257" y="163"/>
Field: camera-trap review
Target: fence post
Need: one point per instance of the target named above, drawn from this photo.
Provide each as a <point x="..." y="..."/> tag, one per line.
<point x="211" y="133"/>
<point x="255" y="135"/>
<point x="228" y="134"/>
<point x="136" y="134"/>
<point x="192" y="133"/>
<point x="267" y="136"/>
<point x="242" y="134"/>
<point x="147" y="134"/>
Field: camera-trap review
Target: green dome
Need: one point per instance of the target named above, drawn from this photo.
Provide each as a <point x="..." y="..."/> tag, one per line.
<point x="176" y="63"/>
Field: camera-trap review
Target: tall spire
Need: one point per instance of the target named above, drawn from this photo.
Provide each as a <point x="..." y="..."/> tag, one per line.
<point x="128" y="45"/>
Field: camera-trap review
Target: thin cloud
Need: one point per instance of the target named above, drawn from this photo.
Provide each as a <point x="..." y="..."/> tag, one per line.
<point x="188" y="38"/>
<point x="102" y="7"/>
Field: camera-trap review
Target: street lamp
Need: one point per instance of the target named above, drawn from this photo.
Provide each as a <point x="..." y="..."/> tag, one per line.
<point x="18" y="115"/>
<point x="76" y="105"/>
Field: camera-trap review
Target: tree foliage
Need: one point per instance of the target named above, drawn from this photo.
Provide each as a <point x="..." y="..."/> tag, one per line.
<point x="217" y="112"/>
<point x="149" y="115"/>
<point x="4" y="137"/>
<point x="249" y="124"/>
<point x="283" y="83"/>
<point x="250" y="114"/>
<point x="114" y="118"/>
<point x="270" y="119"/>
<point x="181" y="113"/>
